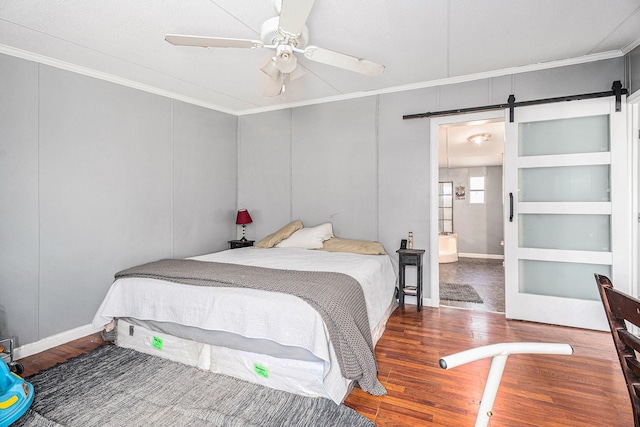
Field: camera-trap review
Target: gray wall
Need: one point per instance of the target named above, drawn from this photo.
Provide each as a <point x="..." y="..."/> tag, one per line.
<point x="264" y="171"/>
<point x="633" y="69"/>
<point x="334" y="166"/>
<point x="98" y="177"/>
<point x="316" y="163"/>
<point x="480" y="227"/>
<point x="357" y="164"/>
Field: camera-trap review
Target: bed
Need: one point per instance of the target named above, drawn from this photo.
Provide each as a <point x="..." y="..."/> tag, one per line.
<point x="270" y="338"/>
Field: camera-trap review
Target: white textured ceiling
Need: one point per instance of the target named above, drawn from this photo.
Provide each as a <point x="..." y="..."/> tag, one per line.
<point x="418" y="41"/>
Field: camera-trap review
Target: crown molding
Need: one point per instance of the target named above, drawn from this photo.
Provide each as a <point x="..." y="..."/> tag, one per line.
<point x="402" y="88"/>
<point x="41" y="59"/>
<point x="446" y="81"/>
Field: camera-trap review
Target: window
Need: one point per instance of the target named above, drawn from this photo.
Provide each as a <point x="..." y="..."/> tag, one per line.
<point x="476" y="189"/>
<point x="445" y="207"/>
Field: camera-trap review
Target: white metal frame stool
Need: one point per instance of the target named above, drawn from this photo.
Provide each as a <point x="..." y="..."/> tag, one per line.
<point x="500" y="353"/>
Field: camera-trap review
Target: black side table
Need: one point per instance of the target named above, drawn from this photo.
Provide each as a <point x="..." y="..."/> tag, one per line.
<point x="235" y="244"/>
<point x="410" y="257"/>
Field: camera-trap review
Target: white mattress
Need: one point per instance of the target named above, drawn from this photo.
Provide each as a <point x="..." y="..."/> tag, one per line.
<point x="284" y="319"/>
<point x="304" y="377"/>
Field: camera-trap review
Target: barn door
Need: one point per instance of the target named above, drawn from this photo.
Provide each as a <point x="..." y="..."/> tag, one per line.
<point x="567" y="209"/>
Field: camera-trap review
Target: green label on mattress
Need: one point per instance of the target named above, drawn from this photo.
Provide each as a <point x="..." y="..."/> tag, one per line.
<point x="263" y="371"/>
<point x="157" y="343"/>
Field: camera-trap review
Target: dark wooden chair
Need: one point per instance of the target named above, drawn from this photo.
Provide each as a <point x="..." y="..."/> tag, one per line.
<point x="619" y="308"/>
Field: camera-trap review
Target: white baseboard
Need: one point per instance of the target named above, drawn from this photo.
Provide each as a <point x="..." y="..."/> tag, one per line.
<point x="53" y="341"/>
<point x="485" y="256"/>
<point x="410" y="299"/>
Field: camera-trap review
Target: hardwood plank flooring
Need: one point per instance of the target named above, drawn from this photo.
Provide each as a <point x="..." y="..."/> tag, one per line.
<point x="584" y="389"/>
<point x="47" y="359"/>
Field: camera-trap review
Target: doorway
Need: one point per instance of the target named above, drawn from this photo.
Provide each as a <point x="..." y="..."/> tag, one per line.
<point x="466" y="251"/>
<point x="566" y="170"/>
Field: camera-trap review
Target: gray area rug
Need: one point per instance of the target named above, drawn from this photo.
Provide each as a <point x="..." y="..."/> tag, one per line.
<point x="114" y="386"/>
<point x="459" y="292"/>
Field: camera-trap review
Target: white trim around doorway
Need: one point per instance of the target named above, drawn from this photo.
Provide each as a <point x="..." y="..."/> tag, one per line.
<point x="433" y="299"/>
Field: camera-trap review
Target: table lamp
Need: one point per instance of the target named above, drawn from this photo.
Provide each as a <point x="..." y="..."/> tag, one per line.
<point x="243" y="219"/>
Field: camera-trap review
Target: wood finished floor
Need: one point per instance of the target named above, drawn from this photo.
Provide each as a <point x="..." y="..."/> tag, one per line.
<point x="584" y="389"/>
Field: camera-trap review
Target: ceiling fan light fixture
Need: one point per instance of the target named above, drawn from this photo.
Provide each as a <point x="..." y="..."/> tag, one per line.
<point x="271" y="69"/>
<point x="286" y="61"/>
<point x="479" y="138"/>
<point x="296" y="74"/>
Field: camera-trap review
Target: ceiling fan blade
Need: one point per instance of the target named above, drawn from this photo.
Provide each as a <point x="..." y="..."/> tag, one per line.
<point x="348" y="62"/>
<point x="198" y="41"/>
<point x="293" y="15"/>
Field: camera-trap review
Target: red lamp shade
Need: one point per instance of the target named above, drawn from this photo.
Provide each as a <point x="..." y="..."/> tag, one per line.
<point x="243" y="217"/>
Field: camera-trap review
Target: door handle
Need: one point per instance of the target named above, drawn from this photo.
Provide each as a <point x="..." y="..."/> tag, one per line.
<point x="510" y="207"/>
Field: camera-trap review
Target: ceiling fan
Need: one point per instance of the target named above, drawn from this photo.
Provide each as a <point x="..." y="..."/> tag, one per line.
<point x="287" y="34"/>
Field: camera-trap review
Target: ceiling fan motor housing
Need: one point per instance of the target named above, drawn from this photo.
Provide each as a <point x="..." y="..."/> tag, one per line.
<point x="270" y="34"/>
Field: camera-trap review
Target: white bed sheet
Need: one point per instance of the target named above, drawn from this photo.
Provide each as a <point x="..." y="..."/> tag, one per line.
<point x="282" y="318"/>
<point x="374" y="272"/>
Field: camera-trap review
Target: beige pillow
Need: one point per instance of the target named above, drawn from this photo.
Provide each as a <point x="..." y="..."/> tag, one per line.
<point x="363" y="247"/>
<point x="273" y="239"/>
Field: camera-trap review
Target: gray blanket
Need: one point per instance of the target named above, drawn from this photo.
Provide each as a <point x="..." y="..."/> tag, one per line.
<point x="337" y="297"/>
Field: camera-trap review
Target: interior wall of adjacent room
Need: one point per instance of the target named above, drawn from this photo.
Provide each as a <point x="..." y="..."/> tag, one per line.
<point x="479" y="227"/>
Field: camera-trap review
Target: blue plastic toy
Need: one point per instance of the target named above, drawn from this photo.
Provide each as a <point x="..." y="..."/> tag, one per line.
<point x="16" y="395"/>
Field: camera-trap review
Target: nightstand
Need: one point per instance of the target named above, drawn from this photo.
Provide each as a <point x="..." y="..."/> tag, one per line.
<point x="410" y="257"/>
<point x="235" y="244"/>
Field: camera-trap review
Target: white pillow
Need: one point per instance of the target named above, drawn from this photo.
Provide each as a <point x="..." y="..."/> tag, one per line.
<point x="308" y="237"/>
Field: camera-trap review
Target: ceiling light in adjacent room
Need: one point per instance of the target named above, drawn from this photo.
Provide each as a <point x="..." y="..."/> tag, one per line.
<point x="479" y="138"/>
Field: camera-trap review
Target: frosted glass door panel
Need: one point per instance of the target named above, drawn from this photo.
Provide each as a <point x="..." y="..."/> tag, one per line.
<point x="567" y="232"/>
<point x="565" y="136"/>
<point x="565" y="184"/>
<point x="559" y="279"/>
